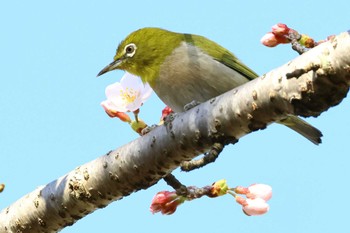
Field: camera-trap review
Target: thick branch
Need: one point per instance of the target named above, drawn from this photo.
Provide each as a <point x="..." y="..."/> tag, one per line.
<point x="307" y="86"/>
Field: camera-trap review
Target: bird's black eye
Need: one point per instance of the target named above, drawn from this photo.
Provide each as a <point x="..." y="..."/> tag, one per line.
<point x="130" y="50"/>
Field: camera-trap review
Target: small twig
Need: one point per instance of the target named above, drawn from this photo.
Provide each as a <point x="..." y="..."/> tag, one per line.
<point x="299" y="72"/>
<point x="219" y="142"/>
<point x="176" y="184"/>
<point x="294" y="38"/>
<point x="190" y="192"/>
<point x="208" y="157"/>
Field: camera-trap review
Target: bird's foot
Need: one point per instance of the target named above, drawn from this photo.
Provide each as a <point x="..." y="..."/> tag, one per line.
<point x="148" y="129"/>
<point x="169" y="118"/>
<point x="192" y="104"/>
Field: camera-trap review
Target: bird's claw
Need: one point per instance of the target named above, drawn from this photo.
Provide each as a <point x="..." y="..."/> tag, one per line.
<point x="192" y="104"/>
<point x="148" y="129"/>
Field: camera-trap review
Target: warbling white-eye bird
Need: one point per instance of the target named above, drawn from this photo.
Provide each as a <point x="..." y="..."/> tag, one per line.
<point x="182" y="68"/>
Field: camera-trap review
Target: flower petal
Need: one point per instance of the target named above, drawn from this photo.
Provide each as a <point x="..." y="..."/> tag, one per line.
<point x="146" y="92"/>
<point x="128" y="95"/>
<point x="130" y="80"/>
<point x="113" y="90"/>
<point x="133" y="106"/>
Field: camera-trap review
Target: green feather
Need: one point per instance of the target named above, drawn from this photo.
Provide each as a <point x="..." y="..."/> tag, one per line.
<point x="153" y="46"/>
<point x="220" y="54"/>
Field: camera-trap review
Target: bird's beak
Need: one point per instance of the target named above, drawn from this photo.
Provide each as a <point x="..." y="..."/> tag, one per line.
<point x="112" y="66"/>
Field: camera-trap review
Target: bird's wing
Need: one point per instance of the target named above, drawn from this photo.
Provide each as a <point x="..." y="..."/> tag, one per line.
<point x="220" y="54"/>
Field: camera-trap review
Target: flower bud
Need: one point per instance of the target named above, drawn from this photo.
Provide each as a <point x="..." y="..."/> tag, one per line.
<point x="307" y="41"/>
<point x="280" y="29"/>
<point x="218" y="188"/>
<point x="269" y="40"/>
<point x="257" y="206"/>
<point x="241" y="200"/>
<point x="272" y="40"/>
<point x="262" y="191"/>
<point x="165" y="112"/>
<point x="241" y="190"/>
<point x="112" y="113"/>
<point x="166" y="202"/>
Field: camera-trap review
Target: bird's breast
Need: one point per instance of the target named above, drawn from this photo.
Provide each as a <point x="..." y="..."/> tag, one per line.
<point x="189" y="74"/>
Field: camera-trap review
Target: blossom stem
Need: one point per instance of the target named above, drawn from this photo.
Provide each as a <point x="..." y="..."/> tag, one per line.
<point x="136" y="114"/>
<point x="231" y="192"/>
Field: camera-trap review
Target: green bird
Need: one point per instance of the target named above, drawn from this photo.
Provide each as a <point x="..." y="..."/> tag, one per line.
<point x="182" y="68"/>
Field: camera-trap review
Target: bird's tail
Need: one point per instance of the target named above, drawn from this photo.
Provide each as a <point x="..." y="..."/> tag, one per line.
<point x="302" y="127"/>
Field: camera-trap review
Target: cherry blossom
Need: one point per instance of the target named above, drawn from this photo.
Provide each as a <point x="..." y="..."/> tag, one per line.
<point x="127" y="95"/>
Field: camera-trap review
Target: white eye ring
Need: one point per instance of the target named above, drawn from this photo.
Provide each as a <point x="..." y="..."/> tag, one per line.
<point x="130" y="50"/>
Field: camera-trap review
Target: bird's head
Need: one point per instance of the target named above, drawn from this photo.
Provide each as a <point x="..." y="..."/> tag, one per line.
<point x="143" y="51"/>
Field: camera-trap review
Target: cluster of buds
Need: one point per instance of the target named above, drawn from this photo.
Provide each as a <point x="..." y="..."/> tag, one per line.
<point x="278" y="35"/>
<point x="254" y="203"/>
<point x="282" y="34"/>
<point x="256" y="199"/>
<point x="166" y="202"/>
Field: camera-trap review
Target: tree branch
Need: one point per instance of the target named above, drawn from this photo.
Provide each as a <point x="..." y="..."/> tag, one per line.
<point x="306" y="86"/>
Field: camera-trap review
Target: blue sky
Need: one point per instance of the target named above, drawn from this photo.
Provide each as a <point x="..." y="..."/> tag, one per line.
<point x="51" y="120"/>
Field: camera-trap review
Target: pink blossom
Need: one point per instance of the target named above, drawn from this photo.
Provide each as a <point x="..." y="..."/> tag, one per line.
<point x="127" y="95"/>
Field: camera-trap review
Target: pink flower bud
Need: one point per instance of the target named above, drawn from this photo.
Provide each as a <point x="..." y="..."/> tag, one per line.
<point x="112" y="113"/>
<point x="280" y="29"/>
<point x="241" y="200"/>
<point x="241" y="190"/>
<point x="262" y="191"/>
<point x="257" y="206"/>
<point x="165" y="112"/>
<point x="272" y="40"/>
<point x="166" y="202"/>
<point x="269" y="40"/>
